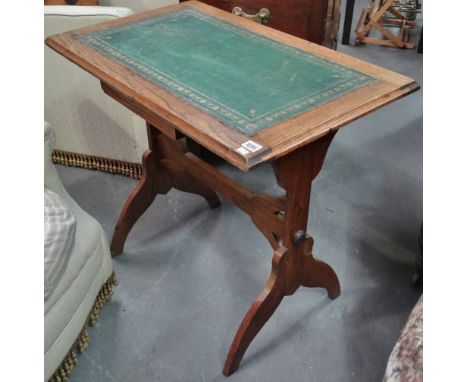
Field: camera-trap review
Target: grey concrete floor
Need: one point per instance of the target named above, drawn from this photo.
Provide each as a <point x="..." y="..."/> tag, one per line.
<point x="188" y="274"/>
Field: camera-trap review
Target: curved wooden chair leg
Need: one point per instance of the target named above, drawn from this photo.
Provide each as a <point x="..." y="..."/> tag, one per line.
<point x="259" y="313"/>
<point x="316" y="273"/>
<point x="139" y="200"/>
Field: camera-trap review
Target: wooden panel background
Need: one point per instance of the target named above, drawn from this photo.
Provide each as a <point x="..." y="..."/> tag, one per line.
<point x="302" y="18"/>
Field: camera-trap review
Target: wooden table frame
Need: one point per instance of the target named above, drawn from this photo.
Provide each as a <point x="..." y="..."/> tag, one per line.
<point x="283" y="221"/>
<point x="296" y="148"/>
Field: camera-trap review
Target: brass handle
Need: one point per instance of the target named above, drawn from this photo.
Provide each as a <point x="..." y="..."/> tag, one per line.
<point x="262" y="16"/>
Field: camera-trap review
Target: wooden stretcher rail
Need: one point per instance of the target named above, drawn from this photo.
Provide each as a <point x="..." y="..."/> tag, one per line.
<point x="261" y="208"/>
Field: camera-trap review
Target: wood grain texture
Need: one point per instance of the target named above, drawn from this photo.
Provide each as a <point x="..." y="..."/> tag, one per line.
<point x="318" y="274"/>
<point x="295" y="173"/>
<point x="259" y="313"/>
<point x="374" y="17"/>
<point x="332" y="24"/>
<point x="264" y="210"/>
<point x="215" y="135"/>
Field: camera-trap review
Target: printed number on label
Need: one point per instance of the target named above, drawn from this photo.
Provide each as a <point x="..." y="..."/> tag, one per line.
<point x="252" y="146"/>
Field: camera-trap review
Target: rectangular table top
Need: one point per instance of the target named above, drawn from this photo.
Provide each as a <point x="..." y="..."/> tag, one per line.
<point x="249" y="81"/>
<point x="245" y="91"/>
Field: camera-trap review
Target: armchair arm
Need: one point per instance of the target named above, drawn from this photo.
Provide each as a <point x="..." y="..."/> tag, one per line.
<point x="61" y="18"/>
<point x="139" y="5"/>
<point x="83" y="11"/>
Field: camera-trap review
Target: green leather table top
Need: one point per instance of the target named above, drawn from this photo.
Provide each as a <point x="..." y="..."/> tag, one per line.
<point x="244" y="79"/>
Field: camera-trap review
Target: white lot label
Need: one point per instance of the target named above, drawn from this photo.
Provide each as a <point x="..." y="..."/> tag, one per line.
<point x="252" y="146"/>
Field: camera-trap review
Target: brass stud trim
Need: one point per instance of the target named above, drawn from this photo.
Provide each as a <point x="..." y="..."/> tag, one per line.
<point x="112" y="166"/>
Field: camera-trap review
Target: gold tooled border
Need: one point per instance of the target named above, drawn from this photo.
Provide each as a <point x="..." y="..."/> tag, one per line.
<point x="81" y="343"/>
<point x="113" y="166"/>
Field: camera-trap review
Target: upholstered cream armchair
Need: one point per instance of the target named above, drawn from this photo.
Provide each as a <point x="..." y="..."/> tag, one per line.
<point x="92" y="130"/>
<point x="78" y="278"/>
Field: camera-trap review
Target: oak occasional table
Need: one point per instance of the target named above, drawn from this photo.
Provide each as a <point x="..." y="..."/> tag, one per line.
<point x="248" y="93"/>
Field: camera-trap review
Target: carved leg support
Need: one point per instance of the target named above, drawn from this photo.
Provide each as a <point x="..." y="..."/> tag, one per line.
<point x="151" y="183"/>
<point x="293" y="263"/>
<point x="259" y="313"/>
<point x="159" y="176"/>
<point x="318" y="274"/>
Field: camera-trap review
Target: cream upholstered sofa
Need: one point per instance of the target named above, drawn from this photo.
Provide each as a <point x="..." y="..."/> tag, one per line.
<point x="83" y="285"/>
<point x="92" y="130"/>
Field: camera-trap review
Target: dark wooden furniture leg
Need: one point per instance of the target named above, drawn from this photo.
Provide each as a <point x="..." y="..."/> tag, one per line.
<point x="259" y="313"/>
<point x="293" y="264"/>
<point x="420" y="43"/>
<point x="159" y="176"/>
<point x="348" y="21"/>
